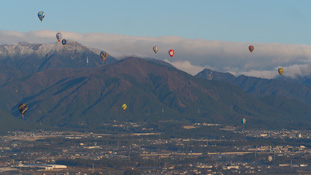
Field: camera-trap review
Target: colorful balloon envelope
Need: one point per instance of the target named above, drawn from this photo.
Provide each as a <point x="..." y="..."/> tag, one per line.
<point x="280" y="70"/>
<point x="251" y="48"/>
<point x="155" y="49"/>
<point x="59" y="36"/>
<point x="171" y="53"/>
<point x="243" y="121"/>
<point x="41" y="15"/>
<point x="22" y="108"/>
<point x="270" y="158"/>
<point x="103" y="55"/>
<point x="124" y="106"/>
<point x="64" y="42"/>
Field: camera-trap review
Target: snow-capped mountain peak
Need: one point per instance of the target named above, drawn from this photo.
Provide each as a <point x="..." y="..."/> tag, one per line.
<point x="26" y="49"/>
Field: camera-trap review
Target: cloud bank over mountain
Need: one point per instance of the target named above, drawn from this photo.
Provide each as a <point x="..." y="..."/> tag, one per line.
<point x="191" y="55"/>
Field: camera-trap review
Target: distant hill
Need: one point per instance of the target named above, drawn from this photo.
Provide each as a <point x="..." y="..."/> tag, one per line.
<point x="213" y="75"/>
<point x="289" y="88"/>
<point x="88" y="97"/>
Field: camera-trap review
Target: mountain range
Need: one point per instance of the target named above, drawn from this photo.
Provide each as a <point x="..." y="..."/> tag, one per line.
<point x="63" y="89"/>
<point x="298" y="88"/>
<point x="30" y="58"/>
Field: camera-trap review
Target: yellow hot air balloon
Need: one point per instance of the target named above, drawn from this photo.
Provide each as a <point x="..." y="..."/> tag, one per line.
<point x="103" y="55"/>
<point x="280" y="70"/>
<point x="270" y="158"/>
<point x="124" y="106"/>
<point x="22" y="108"/>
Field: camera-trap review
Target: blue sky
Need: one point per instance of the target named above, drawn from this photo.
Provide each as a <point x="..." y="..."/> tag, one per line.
<point x="239" y="20"/>
<point x="211" y="34"/>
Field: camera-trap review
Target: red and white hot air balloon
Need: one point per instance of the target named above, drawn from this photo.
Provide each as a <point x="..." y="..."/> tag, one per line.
<point x="171" y="53"/>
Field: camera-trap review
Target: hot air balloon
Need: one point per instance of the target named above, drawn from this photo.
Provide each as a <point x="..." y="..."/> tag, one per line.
<point x="280" y="70"/>
<point x="243" y="121"/>
<point x="41" y="15"/>
<point x="251" y="48"/>
<point x="171" y="53"/>
<point x="124" y="106"/>
<point x="155" y="49"/>
<point x="103" y="55"/>
<point x="269" y="158"/>
<point x="59" y="36"/>
<point x="22" y="108"/>
<point x="64" y="42"/>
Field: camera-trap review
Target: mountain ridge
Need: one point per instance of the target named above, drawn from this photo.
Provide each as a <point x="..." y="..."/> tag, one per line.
<point x="26" y="49"/>
<point x="291" y="89"/>
<point x="87" y="97"/>
<point x="29" y="58"/>
<point x="62" y="90"/>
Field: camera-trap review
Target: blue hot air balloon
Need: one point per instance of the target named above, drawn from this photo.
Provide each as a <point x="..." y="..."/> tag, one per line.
<point x="64" y="42"/>
<point x="41" y="15"/>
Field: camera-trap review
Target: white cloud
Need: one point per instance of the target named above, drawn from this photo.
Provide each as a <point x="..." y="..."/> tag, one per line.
<point x="191" y="55"/>
<point x="187" y="66"/>
<point x="260" y="74"/>
<point x="297" y="70"/>
<point x="292" y="71"/>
